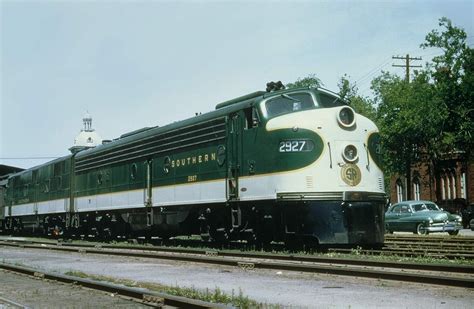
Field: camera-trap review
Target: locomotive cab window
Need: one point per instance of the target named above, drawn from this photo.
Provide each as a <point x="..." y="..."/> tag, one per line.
<point x="289" y="103"/>
<point x="326" y="100"/>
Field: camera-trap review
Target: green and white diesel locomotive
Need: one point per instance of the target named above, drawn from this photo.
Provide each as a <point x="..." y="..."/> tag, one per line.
<point x="286" y="165"/>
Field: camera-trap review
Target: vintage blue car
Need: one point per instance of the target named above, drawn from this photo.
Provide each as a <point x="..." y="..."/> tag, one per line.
<point x="421" y="217"/>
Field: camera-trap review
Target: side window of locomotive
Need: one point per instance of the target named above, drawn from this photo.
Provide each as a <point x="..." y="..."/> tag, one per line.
<point x="251" y="118"/>
<point x="289" y="103"/>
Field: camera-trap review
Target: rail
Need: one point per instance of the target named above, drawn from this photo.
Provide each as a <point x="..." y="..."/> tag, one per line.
<point x="345" y="267"/>
<point x="141" y="295"/>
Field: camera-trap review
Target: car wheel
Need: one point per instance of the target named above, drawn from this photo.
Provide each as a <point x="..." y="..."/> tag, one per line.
<point x="471" y="223"/>
<point x="420" y="229"/>
<point x="387" y="230"/>
<point x="453" y="232"/>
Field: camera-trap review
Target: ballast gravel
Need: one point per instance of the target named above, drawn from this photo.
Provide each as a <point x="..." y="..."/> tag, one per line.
<point x="39" y="293"/>
<point x="288" y="289"/>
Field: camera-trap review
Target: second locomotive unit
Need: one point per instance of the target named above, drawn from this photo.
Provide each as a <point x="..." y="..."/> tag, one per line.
<point x="286" y="165"/>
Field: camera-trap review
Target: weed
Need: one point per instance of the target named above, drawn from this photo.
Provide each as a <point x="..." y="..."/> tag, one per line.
<point x="215" y="295"/>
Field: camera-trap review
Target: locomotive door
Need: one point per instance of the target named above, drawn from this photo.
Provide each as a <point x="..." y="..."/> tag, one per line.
<point x="234" y="145"/>
<point x="148" y="192"/>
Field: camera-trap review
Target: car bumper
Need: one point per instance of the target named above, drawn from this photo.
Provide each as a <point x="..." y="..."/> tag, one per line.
<point x="444" y="227"/>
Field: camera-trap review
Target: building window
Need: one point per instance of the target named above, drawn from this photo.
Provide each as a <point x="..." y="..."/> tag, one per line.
<point x="448" y="187"/>
<point x="443" y="189"/>
<point x="463" y="185"/>
<point x="453" y="183"/>
<point x="416" y="189"/>
<point x="399" y="191"/>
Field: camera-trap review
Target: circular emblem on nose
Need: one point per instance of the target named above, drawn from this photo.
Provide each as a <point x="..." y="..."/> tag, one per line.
<point x="351" y="174"/>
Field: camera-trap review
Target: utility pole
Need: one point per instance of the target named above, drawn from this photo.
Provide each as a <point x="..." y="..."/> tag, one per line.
<point x="407" y="65"/>
<point x="408" y="172"/>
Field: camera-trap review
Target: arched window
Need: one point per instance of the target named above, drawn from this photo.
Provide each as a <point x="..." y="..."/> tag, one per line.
<point x="443" y="188"/>
<point x="463" y="185"/>
<point x="400" y="190"/>
<point x="453" y="183"/>
<point x="416" y="189"/>
<point x="448" y="186"/>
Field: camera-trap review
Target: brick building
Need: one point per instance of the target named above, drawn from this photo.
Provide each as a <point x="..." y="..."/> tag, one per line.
<point x="450" y="185"/>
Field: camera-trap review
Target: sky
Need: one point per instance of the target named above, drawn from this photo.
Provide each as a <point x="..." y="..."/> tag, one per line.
<point x="135" y="64"/>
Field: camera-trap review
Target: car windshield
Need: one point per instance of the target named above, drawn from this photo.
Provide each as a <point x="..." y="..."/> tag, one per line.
<point x="289" y="103"/>
<point x="425" y="207"/>
<point x="432" y="206"/>
<point x="420" y="207"/>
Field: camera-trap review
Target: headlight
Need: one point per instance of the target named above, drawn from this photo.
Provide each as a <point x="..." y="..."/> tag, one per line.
<point x="350" y="153"/>
<point x="346" y="117"/>
<point x="430" y="221"/>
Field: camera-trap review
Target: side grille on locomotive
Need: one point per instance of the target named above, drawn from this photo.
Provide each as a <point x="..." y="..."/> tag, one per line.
<point x="173" y="140"/>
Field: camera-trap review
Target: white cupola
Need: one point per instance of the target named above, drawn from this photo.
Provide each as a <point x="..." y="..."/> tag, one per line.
<point x="87" y="138"/>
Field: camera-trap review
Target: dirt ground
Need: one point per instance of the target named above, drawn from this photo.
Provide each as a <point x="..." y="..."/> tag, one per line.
<point x="288" y="289"/>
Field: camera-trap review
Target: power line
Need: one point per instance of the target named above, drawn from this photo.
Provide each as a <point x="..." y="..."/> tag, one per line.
<point x="371" y="72"/>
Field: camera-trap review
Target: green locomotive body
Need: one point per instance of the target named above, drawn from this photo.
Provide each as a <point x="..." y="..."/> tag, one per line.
<point x="286" y="165"/>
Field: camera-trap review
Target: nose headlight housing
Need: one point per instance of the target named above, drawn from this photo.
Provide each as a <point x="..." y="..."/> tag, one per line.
<point x="346" y="117"/>
<point x="350" y="153"/>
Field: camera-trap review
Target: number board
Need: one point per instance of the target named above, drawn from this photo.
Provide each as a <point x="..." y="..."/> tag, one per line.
<point x="296" y="146"/>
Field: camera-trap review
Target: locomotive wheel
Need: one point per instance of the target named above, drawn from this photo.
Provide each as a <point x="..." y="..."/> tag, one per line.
<point x="252" y="238"/>
<point x="17" y="226"/>
<point x="293" y="243"/>
<point x="56" y="231"/>
<point x="205" y="232"/>
<point x="106" y="234"/>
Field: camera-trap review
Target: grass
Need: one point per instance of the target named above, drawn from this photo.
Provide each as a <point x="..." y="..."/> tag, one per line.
<point x="209" y="295"/>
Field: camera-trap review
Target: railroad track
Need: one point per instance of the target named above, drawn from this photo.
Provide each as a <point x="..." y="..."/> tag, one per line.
<point x="143" y="296"/>
<point x="408" y="246"/>
<point x="8" y="303"/>
<point x="436" y="246"/>
<point x="448" y="275"/>
<point x="409" y="252"/>
<point x="424" y="246"/>
<point x="429" y="238"/>
<point x="433" y="241"/>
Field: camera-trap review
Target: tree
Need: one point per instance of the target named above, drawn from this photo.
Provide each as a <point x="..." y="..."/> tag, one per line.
<point x="309" y="81"/>
<point x="349" y="93"/>
<point x="430" y="118"/>
<point x="452" y="74"/>
<point x="410" y="116"/>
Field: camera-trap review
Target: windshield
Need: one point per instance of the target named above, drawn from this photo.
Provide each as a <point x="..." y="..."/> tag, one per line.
<point x="425" y="207"/>
<point x="327" y="100"/>
<point x="431" y="206"/>
<point x="289" y="103"/>
<point x="419" y="207"/>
